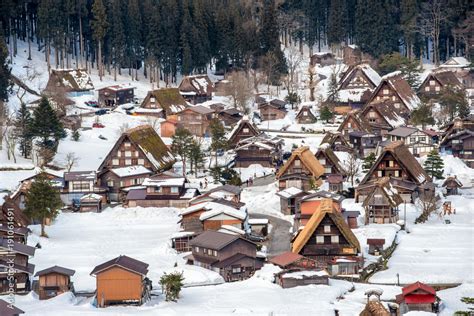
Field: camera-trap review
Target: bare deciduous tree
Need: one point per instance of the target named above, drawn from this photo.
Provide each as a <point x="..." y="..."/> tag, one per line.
<point x="428" y="203"/>
<point x="293" y="62"/>
<point x="10" y="138"/>
<point x="240" y="89"/>
<point x="70" y="161"/>
<point x="313" y="80"/>
<point x="352" y="167"/>
<point x="432" y="16"/>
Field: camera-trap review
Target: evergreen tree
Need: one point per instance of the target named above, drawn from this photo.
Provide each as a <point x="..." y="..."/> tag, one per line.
<point x="22" y="130"/>
<point x="326" y="114"/>
<point x="75" y="135"/>
<point x="337" y="23"/>
<point x="99" y="27"/>
<point x="5" y="82"/>
<point x="181" y="144"/>
<point x="46" y="125"/>
<point x="422" y="115"/>
<point x="134" y="35"/>
<point x="454" y="102"/>
<point x="410" y="69"/>
<point x="218" y="139"/>
<point x="196" y="156"/>
<point x="293" y="98"/>
<point x="171" y="285"/>
<point x="434" y="165"/>
<point x="369" y="161"/>
<point x="42" y="201"/>
<point x="408" y="19"/>
<point x="333" y="92"/>
<point x="117" y="35"/>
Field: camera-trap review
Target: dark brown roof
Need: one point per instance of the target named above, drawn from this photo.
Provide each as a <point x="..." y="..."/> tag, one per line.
<point x="9" y="310"/>
<point x="401" y="87"/>
<point x="199" y="84"/>
<point x="214" y="240"/>
<point x="445" y="78"/>
<point x="389" y="113"/>
<point x="231" y="260"/>
<point x="124" y="262"/>
<point x="56" y="269"/>
<point x="17" y="247"/>
<point x="285" y="259"/>
<point x="376" y="241"/>
<point x="331" y="156"/>
<point x="79" y="175"/>
<point x="227" y="188"/>
<point x="23" y="231"/>
<point x="406" y="159"/>
<point x="331" y="138"/>
<point x="384" y="186"/>
<point x="357" y="116"/>
<point x="200" y="109"/>
<point x="374" y="308"/>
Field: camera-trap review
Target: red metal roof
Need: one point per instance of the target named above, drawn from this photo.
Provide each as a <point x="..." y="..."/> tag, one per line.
<point x="420" y="299"/>
<point x="285" y="259"/>
<point x="418" y="286"/>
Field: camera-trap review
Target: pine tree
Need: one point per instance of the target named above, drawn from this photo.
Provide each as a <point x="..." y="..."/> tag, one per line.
<point x="454" y="102"/>
<point x="422" y="115"/>
<point x="196" y="156"/>
<point x="75" y="135"/>
<point x="434" y="165"/>
<point x="218" y="139"/>
<point x="42" y="201"/>
<point x="171" y="285"/>
<point x="99" y="27"/>
<point x="410" y="69"/>
<point x="22" y="130"/>
<point x="326" y="114"/>
<point x="5" y="84"/>
<point x="333" y="89"/>
<point x="117" y="35"/>
<point x="46" y="125"/>
<point x="368" y="162"/>
<point x="337" y="23"/>
<point x="181" y="144"/>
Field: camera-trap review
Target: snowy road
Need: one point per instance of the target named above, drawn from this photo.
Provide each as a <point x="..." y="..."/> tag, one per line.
<point x="279" y="237"/>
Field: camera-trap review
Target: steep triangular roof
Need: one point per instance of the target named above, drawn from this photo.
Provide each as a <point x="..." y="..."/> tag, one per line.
<point x="384" y="186"/>
<point x="401" y="87"/>
<point x="146" y="139"/>
<point x="388" y="112"/>
<point x="76" y="80"/>
<point x="325" y="208"/>
<point x="169" y="99"/>
<point x="305" y="108"/>
<point x="244" y="122"/>
<point x="357" y="116"/>
<point x="367" y="71"/>
<point x="405" y="159"/>
<point x="199" y="84"/>
<point x="307" y="159"/>
<point x="444" y="78"/>
<point x="6" y="309"/>
<point x="331" y="156"/>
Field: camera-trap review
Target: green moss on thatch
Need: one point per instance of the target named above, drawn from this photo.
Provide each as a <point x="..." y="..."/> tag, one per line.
<point x="168" y="97"/>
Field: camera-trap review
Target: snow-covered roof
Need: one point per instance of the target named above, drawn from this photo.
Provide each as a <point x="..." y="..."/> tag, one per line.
<point x="230" y="211"/>
<point x="289" y="192"/>
<point x="456" y="62"/>
<point x="130" y="171"/>
<point x="303" y="274"/>
<point x="164" y="182"/>
<point x="231" y="230"/>
<point x="91" y="196"/>
<point x="258" y="221"/>
<point x="210" y="206"/>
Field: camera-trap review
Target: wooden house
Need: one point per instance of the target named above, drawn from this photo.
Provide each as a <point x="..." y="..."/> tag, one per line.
<point x="230" y="116"/>
<point x="12" y="214"/>
<point x="75" y="82"/>
<point x="336" y="141"/>
<point x="91" y="203"/>
<point x="458" y="125"/>
<point x="381" y="203"/>
<point x="435" y="82"/>
<point x="226" y="192"/>
<point x="138" y="153"/>
<point x="273" y="110"/>
<point x="418" y="142"/>
<point x="180" y="241"/>
<point x="213" y="215"/>
<point x="289" y="199"/>
<point x="15" y="233"/>
<point x="302" y="171"/>
<point x="452" y="184"/>
<point x="328" y="239"/>
<point x="121" y="281"/>
<point x="259" y="226"/>
<point x="15" y="255"/>
<point x="395" y="89"/>
<point x="168" y="127"/>
<point x="112" y="96"/>
<point x="456" y="64"/>
<point x="335" y="182"/>
<point x="79" y="183"/>
<point x="375" y="246"/>
<point x="357" y="84"/>
<point x="353" y="55"/>
<point x="164" y="102"/>
<point x="232" y="256"/>
<point x="396" y="162"/>
<point x="353" y="121"/>
<point x="293" y="261"/>
<point x="196" y="119"/>
<point x="322" y="59"/>
<point x="364" y="143"/>
<point x="384" y="116"/>
<point x="418" y="297"/>
<point x="18" y="196"/>
<point x="310" y="203"/>
<point x="7" y="309"/>
<point x="461" y="145"/>
<point x="244" y="129"/>
<point x="288" y="279"/>
<point x="165" y="189"/>
<point x="262" y="149"/>
<point x="196" y="89"/>
<point x="306" y="115"/>
<point x="331" y="163"/>
<point x="54" y="281"/>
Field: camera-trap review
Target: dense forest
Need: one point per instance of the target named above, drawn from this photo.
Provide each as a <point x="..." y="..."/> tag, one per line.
<point x="165" y="37"/>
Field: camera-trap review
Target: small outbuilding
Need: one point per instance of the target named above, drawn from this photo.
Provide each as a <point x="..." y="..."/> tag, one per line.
<point x="375" y="245"/>
<point x="116" y="95"/>
<point x="54" y="281"/>
<point x="418" y="297"/>
<point x="452" y="184"/>
<point x="122" y="280"/>
<point x="91" y="203"/>
<point x="288" y="279"/>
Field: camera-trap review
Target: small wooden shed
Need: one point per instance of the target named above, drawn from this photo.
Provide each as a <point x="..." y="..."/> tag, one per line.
<point x="54" y="281"/>
<point x="91" y="203"/>
<point x="452" y="184"/>
<point x="288" y="279"/>
<point x="122" y="280"/>
<point x="375" y="245"/>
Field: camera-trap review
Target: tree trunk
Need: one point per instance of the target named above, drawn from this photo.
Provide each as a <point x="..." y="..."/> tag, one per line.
<point x="43" y="231"/>
<point x="81" y="44"/>
<point x="99" y="60"/>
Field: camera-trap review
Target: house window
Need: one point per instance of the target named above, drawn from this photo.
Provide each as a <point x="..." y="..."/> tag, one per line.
<point x="438" y="88"/>
<point x="126" y="144"/>
<point x="214" y="253"/>
<point x="141" y="161"/>
<point x="412" y="139"/>
<point x="322" y="161"/>
<point x="297" y="163"/>
<point x="397" y="105"/>
<point x="427" y="88"/>
<point x="349" y="125"/>
<point x="305" y="113"/>
<point x="397" y="173"/>
<point x="335" y="239"/>
<point x="128" y="153"/>
<point x="236" y="269"/>
<point x="320" y="239"/>
<point x="390" y="163"/>
<point x="327" y="170"/>
<point x="246" y="130"/>
<point x="209" y="252"/>
<point x="385" y="91"/>
<point x="196" y="249"/>
<point x="422" y="139"/>
<point x="110" y="183"/>
<point x="115" y="162"/>
<point x="128" y="162"/>
<point x="394" y="98"/>
<point x="80" y="186"/>
<point x="380" y="173"/>
<point x="432" y="82"/>
<point x="327" y="228"/>
<point x="152" y="99"/>
<point x="122" y="183"/>
<point x="119" y="153"/>
<point x="174" y="189"/>
<point x="372" y="114"/>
